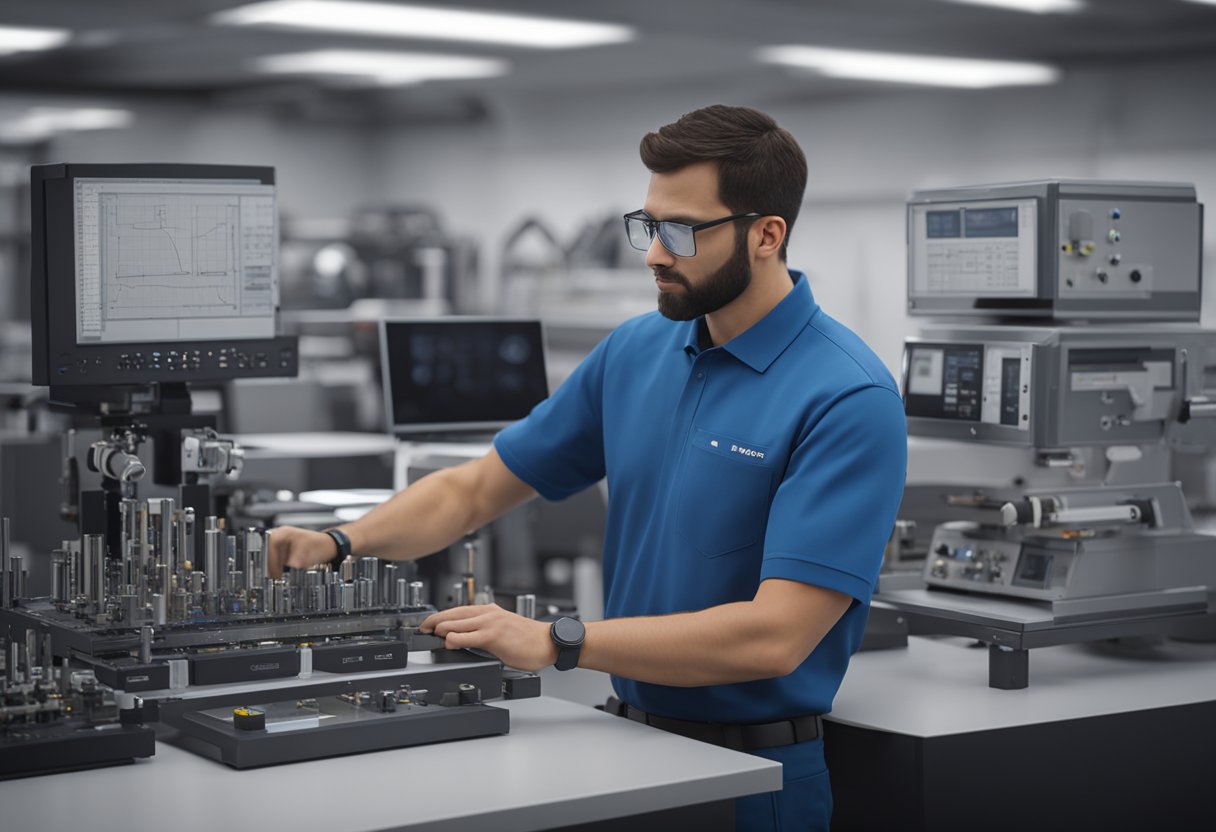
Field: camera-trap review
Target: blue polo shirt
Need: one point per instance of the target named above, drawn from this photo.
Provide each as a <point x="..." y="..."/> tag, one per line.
<point x="779" y="454"/>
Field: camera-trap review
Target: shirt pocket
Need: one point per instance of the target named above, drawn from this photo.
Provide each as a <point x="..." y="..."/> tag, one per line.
<point x="724" y="493"/>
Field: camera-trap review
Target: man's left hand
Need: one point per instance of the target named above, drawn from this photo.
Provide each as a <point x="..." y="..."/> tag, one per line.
<point x="518" y="642"/>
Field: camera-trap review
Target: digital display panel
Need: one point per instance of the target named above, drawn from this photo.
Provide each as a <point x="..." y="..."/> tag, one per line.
<point x="174" y="260"/>
<point x="990" y="222"/>
<point x="1011" y="382"/>
<point x="461" y="374"/>
<point x="1034" y="569"/>
<point x="945" y="382"/>
<point x="943" y="224"/>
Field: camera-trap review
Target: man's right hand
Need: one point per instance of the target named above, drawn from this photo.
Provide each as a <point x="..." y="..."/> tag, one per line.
<point x="298" y="549"/>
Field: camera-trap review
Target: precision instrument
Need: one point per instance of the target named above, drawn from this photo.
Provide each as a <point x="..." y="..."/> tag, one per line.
<point x="1104" y="538"/>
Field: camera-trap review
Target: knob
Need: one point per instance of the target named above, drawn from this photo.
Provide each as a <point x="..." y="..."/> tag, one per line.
<point x="1135" y="276"/>
<point x="1115" y="259"/>
<point x="1101" y="275"/>
<point x="1113" y="235"/>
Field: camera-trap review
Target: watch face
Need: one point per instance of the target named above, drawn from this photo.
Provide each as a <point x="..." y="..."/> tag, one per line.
<point x="568" y="631"/>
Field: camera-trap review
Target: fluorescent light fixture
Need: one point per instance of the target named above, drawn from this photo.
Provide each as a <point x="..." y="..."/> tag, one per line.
<point x="428" y="22"/>
<point x="40" y="123"/>
<point x="1204" y="2"/>
<point x="386" y="68"/>
<point x="23" y="39"/>
<point x="896" y="68"/>
<point x="1031" y="6"/>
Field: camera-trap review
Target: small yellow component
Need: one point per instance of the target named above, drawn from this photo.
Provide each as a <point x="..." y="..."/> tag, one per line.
<point x="1087" y="249"/>
<point x="1067" y="248"/>
<point x="245" y="711"/>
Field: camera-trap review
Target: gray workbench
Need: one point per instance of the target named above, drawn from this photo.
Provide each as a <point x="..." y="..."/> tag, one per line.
<point x="1107" y="736"/>
<point x="561" y="764"/>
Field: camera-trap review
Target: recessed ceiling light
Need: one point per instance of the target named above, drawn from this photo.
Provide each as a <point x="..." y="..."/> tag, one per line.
<point x="911" y="69"/>
<point x="24" y="39"/>
<point x="393" y="20"/>
<point x="389" y="68"/>
<point x="40" y="123"/>
<point x="1030" y="6"/>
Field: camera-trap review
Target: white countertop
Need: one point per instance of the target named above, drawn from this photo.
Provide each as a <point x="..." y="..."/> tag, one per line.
<point x="314" y="445"/>
<point x="938" y="687"/>
<point x="561" y="764"/>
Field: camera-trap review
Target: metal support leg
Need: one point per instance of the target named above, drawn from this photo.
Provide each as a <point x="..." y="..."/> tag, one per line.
<point x="1008" y="668"/>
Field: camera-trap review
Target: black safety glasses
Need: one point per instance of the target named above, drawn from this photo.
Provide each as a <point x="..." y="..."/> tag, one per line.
<point x="676" y="237"/>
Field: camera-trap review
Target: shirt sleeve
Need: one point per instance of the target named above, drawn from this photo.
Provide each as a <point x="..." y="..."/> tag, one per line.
<point x="558" y="448"/>
<point x="834" y="510"/>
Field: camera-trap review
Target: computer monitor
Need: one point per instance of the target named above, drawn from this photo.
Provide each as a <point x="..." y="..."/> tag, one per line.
<point x="151" y="273"/>
<point x="460" y="375"/>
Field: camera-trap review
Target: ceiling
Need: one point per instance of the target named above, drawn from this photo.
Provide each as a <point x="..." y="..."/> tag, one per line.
<point x="155" y="49"/>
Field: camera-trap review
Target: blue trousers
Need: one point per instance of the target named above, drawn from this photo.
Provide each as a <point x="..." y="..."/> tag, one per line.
<point x="805" y="800"/>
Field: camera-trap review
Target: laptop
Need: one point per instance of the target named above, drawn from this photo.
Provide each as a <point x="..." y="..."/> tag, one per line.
<point x="460" y="377"/>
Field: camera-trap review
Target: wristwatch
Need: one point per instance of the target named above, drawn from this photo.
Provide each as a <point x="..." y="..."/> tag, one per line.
<point x="343" y="542"/>
<point x="567" y="634"/>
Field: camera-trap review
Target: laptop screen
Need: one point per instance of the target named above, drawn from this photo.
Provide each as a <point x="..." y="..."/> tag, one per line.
<point x="461" y="374"/>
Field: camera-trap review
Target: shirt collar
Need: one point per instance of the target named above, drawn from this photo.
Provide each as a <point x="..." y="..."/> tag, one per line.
<point x="759" y="345"/>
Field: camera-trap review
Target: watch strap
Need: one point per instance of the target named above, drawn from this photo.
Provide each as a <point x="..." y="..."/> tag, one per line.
<point x="567" y="653"/>
<point x="343" y="542"/>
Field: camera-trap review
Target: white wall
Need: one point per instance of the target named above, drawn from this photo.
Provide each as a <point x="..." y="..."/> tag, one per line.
<point x="571" y="160"/>
<point x="321" y="171"/>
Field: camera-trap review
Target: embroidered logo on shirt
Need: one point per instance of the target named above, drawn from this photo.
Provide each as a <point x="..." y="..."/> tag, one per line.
<point x="739" y="449"/>
<point x="732" y="447"/>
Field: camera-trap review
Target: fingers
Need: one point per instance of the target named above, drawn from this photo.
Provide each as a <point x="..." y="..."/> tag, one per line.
<point x="462" y="625"/>
<point x="275" y="553"/>
<point x="433" y="621"/>
<point x="279" y="553"/>
<point x="460" y="641"/>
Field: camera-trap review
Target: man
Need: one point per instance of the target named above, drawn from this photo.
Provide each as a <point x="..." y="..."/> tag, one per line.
<point x="754" y="450"/>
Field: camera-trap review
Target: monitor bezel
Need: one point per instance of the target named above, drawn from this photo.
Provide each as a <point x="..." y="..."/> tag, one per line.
<point x="53" y="275"/>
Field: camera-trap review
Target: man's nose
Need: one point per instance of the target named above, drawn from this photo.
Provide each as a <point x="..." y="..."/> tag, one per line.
<point x="658" y="255"/>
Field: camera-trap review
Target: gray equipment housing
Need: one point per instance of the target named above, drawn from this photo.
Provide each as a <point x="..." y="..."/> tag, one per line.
<point x="1054" y="388"/>
<point x="1060" y="249"/>
<point x="1140" y="563"/>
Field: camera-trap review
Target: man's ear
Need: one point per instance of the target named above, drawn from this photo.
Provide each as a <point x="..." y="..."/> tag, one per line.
<point x="769" y="234"/>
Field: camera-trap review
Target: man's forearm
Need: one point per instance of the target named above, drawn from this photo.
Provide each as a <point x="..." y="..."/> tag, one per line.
<point x="716" y="646"/>
<point x="426" y="517"/>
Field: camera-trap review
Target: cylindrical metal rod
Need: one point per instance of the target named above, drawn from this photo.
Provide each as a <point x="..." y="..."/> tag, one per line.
<point x="525" y="605"/>
<point x="5" y="590"/>
<point x="59" y="576"/>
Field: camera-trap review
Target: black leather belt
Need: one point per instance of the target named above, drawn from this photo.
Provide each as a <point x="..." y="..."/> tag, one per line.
<point x="739" y="737"/>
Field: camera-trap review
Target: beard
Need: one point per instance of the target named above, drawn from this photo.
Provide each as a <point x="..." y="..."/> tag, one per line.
<point x="719" y="289"/>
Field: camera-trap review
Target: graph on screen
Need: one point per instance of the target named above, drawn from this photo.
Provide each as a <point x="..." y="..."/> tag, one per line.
<point x="181" y="259"/>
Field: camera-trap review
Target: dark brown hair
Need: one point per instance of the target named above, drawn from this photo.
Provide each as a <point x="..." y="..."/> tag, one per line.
<point x="760" y="166"/>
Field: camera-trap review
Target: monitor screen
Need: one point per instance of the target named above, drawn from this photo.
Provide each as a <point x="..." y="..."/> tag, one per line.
<point x="945" y="381"/>
<point x="154" y="273"/>
<point x="174" y="259"/>
<point x="460" y="375"/>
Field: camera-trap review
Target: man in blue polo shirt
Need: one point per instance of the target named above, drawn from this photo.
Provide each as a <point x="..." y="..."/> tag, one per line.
<point x="754" y="450"/>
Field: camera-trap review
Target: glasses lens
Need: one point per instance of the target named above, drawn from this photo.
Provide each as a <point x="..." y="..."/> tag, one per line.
<point x="677" y="238"/>
<point x="639" y="235"/>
